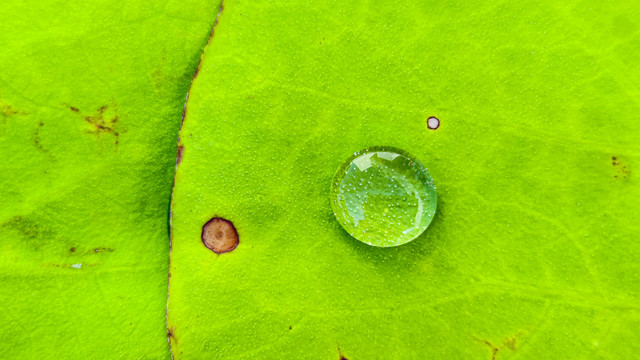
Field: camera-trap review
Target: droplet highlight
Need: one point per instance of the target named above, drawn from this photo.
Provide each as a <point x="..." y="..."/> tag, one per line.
<point x="383" y="196"/>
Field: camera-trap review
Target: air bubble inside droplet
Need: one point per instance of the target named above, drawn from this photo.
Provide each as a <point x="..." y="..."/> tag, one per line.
<point x="383" y="196"/>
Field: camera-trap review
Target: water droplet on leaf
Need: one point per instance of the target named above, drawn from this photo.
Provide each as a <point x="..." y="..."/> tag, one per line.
<point x="383" y="196"/>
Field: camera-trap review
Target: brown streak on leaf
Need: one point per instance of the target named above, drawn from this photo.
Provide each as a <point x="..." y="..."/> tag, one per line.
<point x="179" y="157"/>
<point x="36" y="138"/>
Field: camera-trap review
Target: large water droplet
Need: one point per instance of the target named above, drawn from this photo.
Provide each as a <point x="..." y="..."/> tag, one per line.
<point x="383" y="196"/>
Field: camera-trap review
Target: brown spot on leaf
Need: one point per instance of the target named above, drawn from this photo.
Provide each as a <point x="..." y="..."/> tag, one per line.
<point x="219" y="235"/>
<point x="74" y="109"/>
<point x="171" y="335"/>
<point x="342" y="357"/>
<point x="7" y="111"/>
<point x="104" y="121"/>
<point x="72" y="249"/>
<point x="621" y="167"/>
<point x="179" y="156"/>
<point x="433" y="123"/>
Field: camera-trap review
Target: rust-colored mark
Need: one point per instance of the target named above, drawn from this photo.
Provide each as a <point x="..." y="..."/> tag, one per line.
<point x="36" y="138"/>
<point x="103" y="121"/>
<point x="72" y="249"/>
<point x="619" y="164"/>
<point x="494" y="350"/>
<point x="508" y="343"/>
<point x="7" y="110"/>
<point x="220" y="236"/>
<point x="342" y="357"/>
<point x="179" y="157"/>
<point x="171" y="335"/>
<point x="433" y="123"/>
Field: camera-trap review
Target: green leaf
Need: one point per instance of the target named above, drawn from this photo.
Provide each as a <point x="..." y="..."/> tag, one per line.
<point x="91" y="95"/>
<point x="533" y="250"/>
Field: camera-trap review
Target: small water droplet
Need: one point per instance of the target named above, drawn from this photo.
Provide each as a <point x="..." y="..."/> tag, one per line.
<point x="386" y="199"/>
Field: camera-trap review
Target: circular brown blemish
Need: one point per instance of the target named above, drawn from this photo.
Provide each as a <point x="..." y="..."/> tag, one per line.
<point x="433" y="123"/>
<point x="220" y="236"/>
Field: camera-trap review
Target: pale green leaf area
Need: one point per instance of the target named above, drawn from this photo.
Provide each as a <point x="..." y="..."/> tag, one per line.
<point x="91" y="96"/>
<point x="533" y="252"/>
